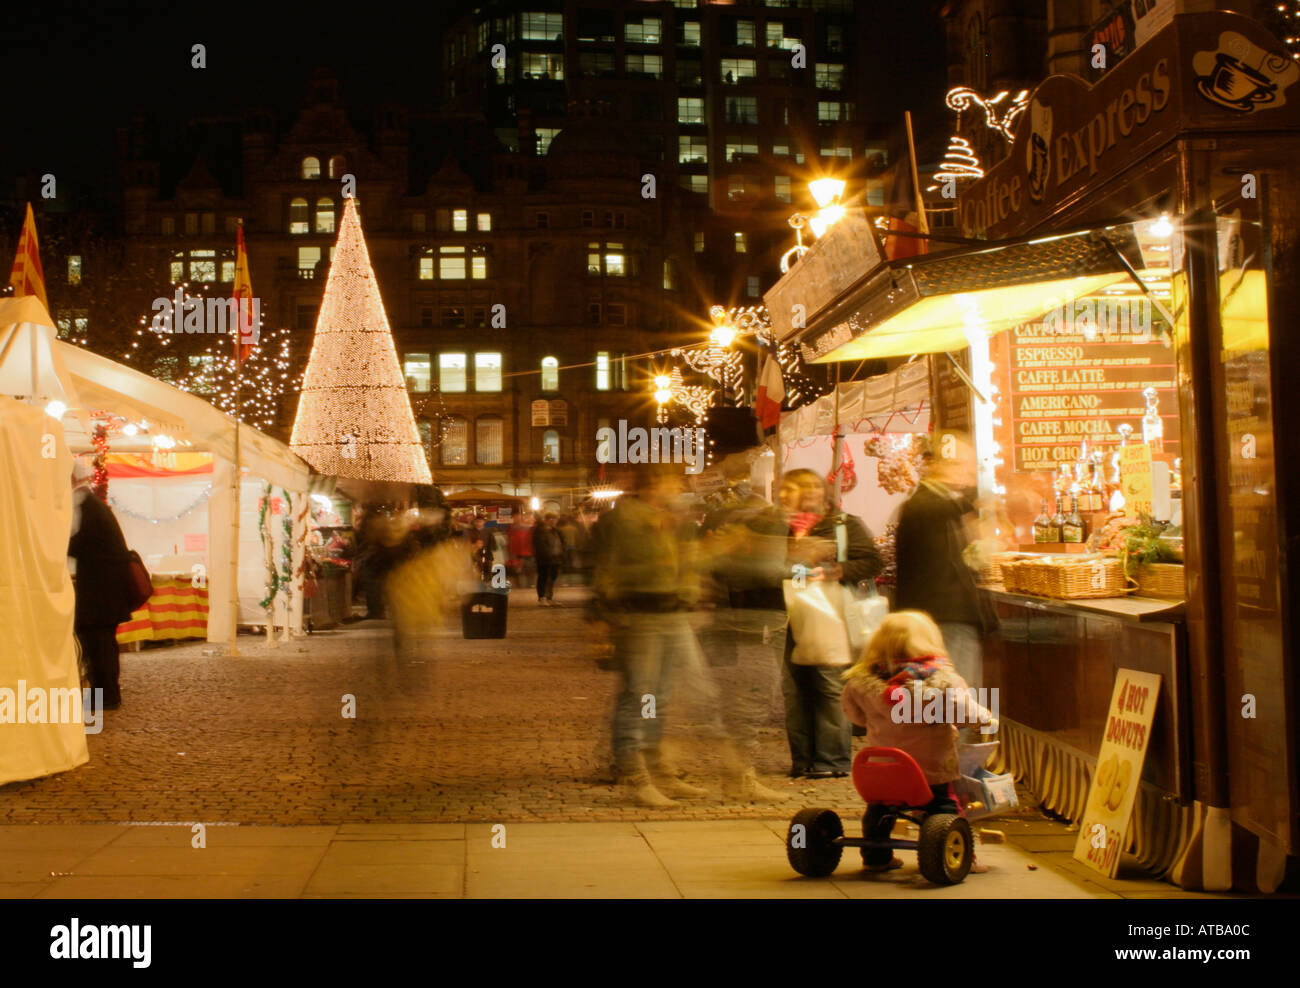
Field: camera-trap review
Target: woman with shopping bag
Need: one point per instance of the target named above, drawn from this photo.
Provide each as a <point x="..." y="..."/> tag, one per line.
<point x="829" y="554"/>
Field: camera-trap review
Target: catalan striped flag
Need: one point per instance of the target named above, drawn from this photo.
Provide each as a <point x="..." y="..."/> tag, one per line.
<point x="27" y="276"/>
<point x="245" y="331"/>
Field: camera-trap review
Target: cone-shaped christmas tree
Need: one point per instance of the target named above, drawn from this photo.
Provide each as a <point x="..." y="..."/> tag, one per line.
<point x="354" y="415"/>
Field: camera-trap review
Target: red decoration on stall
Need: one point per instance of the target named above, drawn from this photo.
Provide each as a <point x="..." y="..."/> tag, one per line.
<point x="848" y="476"/>
<point x="99" y="481"/>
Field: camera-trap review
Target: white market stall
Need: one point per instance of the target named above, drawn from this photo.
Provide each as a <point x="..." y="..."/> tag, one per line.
<point x="170" y="487"/>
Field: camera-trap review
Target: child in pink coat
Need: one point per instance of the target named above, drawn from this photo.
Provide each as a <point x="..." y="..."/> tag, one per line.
<point x="895" y="690"/>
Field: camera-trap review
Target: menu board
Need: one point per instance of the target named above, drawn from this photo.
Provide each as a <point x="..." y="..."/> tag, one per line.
<point x="1064" y="389"/>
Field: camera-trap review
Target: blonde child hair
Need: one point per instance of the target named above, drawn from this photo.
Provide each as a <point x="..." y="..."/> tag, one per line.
<point x="901" y="637"/>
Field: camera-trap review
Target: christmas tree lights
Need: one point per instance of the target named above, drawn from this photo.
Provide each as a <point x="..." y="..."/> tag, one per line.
<point x="354" y="415"/>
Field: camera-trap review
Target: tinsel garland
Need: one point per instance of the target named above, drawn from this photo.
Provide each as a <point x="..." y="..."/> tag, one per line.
<point x="286" y="550"/>
<point x="99" y="482"/>
<point x="272" y="573"/>
<point x="117" y="506"/>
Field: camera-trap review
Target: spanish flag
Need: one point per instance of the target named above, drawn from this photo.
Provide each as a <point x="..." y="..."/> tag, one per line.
<point x="907" y="207"/>
<point x="245" y="332"/>
<point x="27" y="277"/>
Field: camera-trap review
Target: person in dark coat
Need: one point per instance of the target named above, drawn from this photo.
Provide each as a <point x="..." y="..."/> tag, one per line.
<point x="549" y="551"/>
<point x="99" y="553"/>
<point x="931" y="540"/>
<point x="820" y="736"/>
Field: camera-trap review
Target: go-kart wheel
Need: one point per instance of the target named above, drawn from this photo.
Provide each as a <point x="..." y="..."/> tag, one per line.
<point x="810" y="844"/>
<point x="946" y="848"/>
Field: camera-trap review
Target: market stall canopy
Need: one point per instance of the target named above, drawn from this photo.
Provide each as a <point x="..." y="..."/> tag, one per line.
<point x="890" y="402"/>
<point x="933" y="303"/>
<point x="30" y="365"/>
<point x="475" y="496"/>
<point x="127" y="392"/>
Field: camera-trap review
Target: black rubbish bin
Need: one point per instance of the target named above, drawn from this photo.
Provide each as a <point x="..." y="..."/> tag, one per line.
<point x="483" y="614"/>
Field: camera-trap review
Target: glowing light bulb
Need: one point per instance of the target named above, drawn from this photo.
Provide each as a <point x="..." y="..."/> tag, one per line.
<point x="56" y="409"/>
<point x="825" y="191"/>
<point x="723" y="336"/>
<point x="1162" y="227"/>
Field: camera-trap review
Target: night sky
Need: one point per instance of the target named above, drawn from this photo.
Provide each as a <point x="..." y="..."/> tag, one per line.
<point x="75" y="73"/>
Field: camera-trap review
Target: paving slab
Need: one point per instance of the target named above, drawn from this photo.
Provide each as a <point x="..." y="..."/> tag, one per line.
<point x="175" y="887"/>
<point x="216" y="836"/>
<point x="197" y="862"/>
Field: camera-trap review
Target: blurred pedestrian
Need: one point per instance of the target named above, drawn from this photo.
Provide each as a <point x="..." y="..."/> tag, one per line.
<point x="645" y="585"/>
<point x="100" y="565"/>
<point x="521" y="552"/>
<point x="548" y="550"/>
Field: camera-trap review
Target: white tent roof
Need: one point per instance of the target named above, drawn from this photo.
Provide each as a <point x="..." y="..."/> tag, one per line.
<point x="138" y="396"/>
<point x="29" y="363"/>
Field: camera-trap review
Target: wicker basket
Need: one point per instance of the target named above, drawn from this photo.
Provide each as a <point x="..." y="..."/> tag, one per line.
<point x="993" y="575"/>
<point x="1067" y="578"/>
<point x="1164" y="580"/>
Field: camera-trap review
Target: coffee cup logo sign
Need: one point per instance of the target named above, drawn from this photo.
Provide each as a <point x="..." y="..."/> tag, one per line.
<point x="1242" y="76"/>
<point x="1038" y="158"/>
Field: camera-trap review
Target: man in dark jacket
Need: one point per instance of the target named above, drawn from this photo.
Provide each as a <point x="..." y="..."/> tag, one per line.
<point x="100" y="556"/>
<point x="931" y="538"/>
<point x="548" y="551"/>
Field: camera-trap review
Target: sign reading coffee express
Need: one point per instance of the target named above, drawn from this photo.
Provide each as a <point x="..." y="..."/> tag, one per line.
<point x="1214" y="70"/>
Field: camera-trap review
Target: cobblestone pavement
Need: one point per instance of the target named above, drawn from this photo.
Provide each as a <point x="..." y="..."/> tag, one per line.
<point x="515" y="729"/>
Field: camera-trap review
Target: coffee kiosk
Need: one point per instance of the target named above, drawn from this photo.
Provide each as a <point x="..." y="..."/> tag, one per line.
<point x="1130" y="277"/>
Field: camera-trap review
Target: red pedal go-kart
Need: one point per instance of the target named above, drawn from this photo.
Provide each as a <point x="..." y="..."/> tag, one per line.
<point x="892" y="778"/>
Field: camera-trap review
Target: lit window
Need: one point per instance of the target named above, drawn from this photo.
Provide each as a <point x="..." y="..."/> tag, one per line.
<point x="203" y="266"/>
<point x="735" y="70"/>
<point x="646" y="31"/>
<point x="541" y="65"/>
<point x="541" y="27"/>
<point x="741" y="187"/>
<point x="645" y="66"/>
<point x="689" y="34"/>
<point x="167" y="226"/>
<point x="311" y="167"/>
<point x="782" y="188"/>
<point x="593" y="258"/>
<point x="875" y="193"/>
<point x="489" y="431"/>
<point x="827" y="112"/>
<point x="426" y="269"/>
<point x="615" y="260"/>
<point x="418" y="370"/>
<point x="487" y="372"/>
<point x="417" y="222"/>
<point x="298" y="216"/>
<point x="745" y="33"/>
<point x="751" y="286"/>
<point x="550" y="374"/>
<point x="699" y="241"/>
<point x="227" y="271"/>
<point x="74" y="269"/>
<point x="690" y="110"/>
<point x="451" y="371"/>
<point x="602" y="371"/>
<point x="484" y="221"/>
<point x="325" y="216"/>
<point x="550" y="446"/>
<point x="830" y="75"/>
<point x="338" y="166"/>
<point x="692" y="149"/>
<point x="308" y="258"/>
<point x="455" y="441"/>
<point x="451" y="263"/>
<point x="739" y="148"/>
<point x="460" y="220"/>
<point x="178" y="268"/>
<point x="544" y="137"/>
<point x="478" y="267"/>
<point x="741" y="244"/>
<point x="695" y="183"/>
<point x="670" y="275"/>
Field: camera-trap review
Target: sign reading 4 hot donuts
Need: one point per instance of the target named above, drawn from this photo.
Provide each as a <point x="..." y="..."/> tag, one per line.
<point x="1104" y="829"/>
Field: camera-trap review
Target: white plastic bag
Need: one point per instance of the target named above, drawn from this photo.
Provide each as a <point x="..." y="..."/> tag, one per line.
<point x="816" y="611"/>
<point x="863" y="615"/>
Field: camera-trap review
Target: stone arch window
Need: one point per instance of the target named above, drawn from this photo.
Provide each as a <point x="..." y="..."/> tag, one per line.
<point x="550" y="374"/>
<point x="311" y="167"/>
<point x="489" y="440"/>
<point x="324" y="215"/>
<point x="298" y="219"/>
<point x="550" y="446"/>
<point x="338" y="166"/>
<point x="455" y="441"/>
